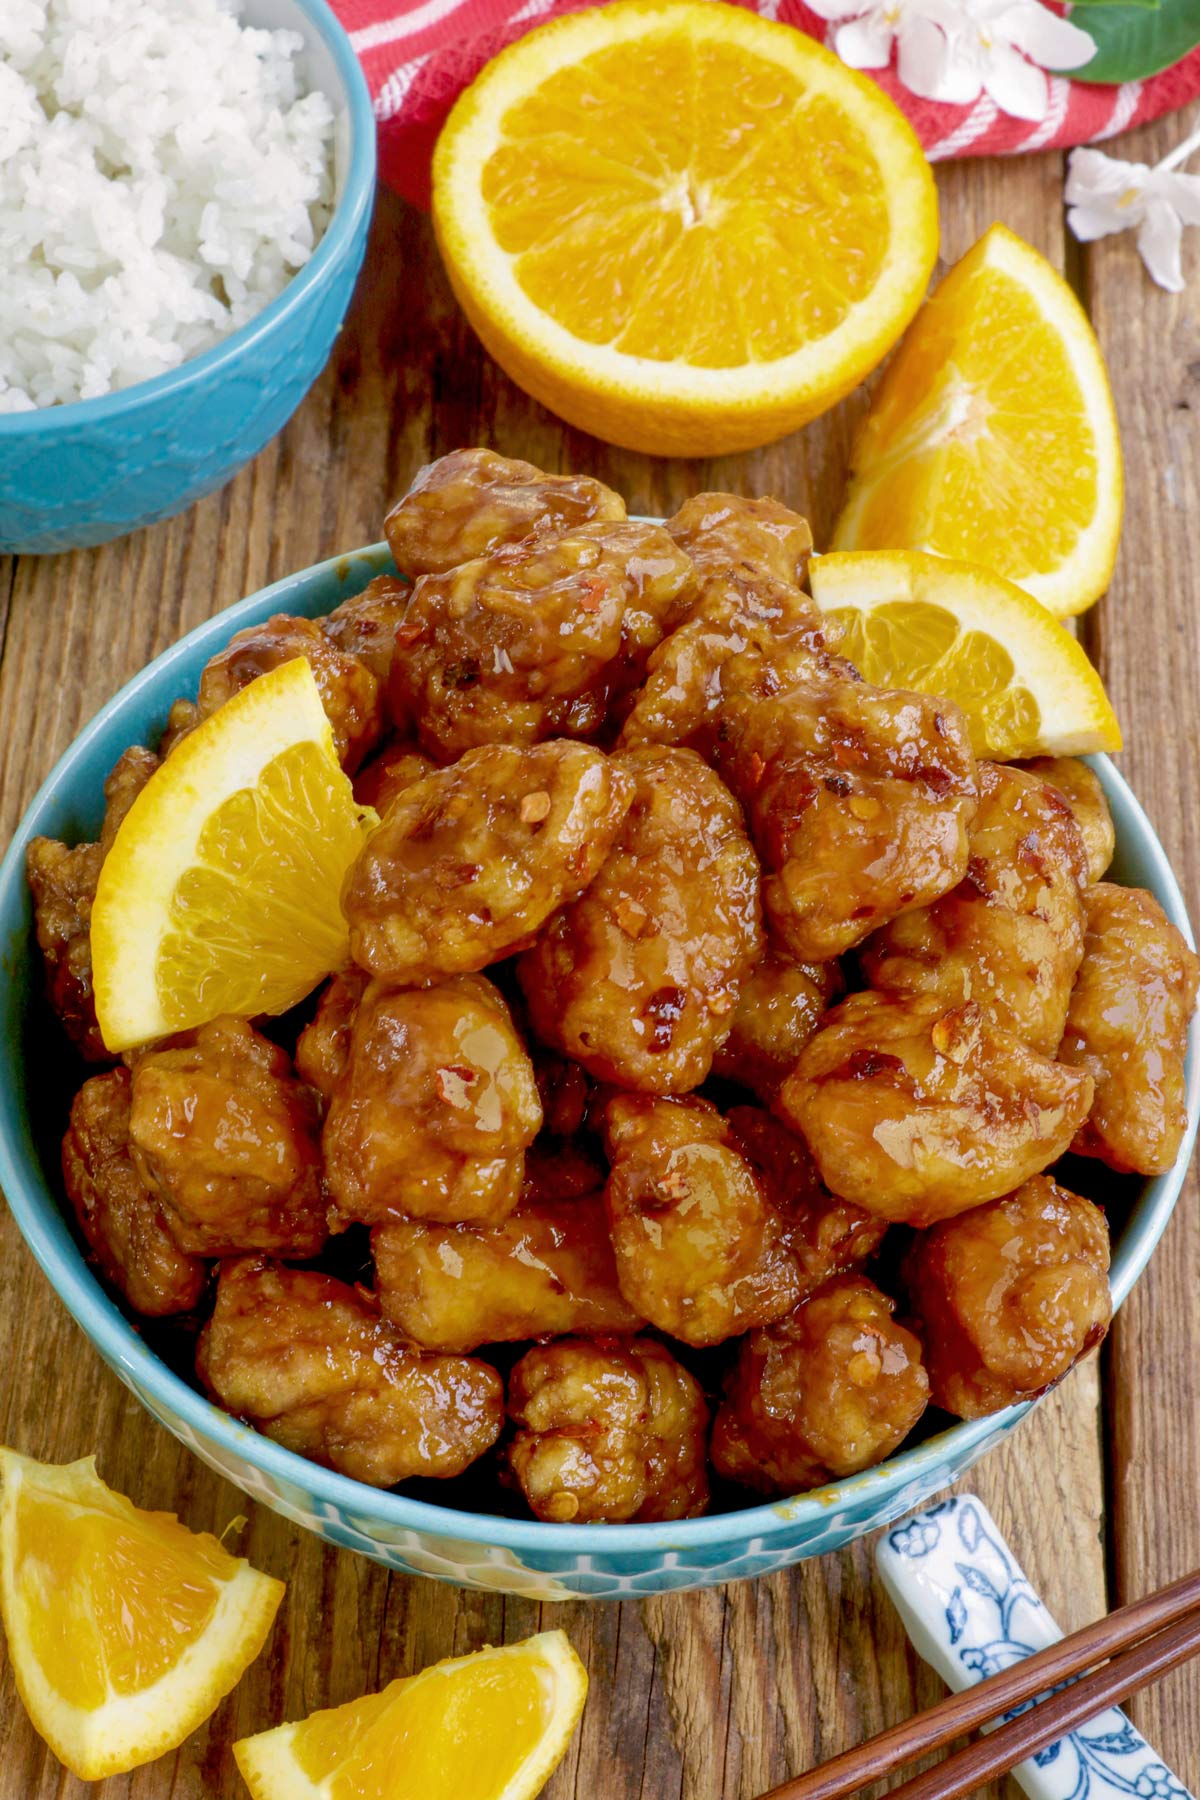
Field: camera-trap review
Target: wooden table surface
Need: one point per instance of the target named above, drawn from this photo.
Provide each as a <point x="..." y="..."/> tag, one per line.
<point x="715" y="1695"/>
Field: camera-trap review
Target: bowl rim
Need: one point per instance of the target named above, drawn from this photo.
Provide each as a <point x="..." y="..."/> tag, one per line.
<point x="338" y="241"/>
<point x="102" y="1321"/>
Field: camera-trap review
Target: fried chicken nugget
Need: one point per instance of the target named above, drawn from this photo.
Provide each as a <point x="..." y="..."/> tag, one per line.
<point x="780" y="1005"/>
<point x="637" y="979"/>
<point x="1083" y="793"/>
<point x="750" y="628"/>
<point x="124" y="1222"/>
<point x="471" y="861"/>
<point x="1127" y="1026"/>
<point x="1009" y="1296"/>
<point x="700" y="1250"/>
<point x="365" y="625"/>
<point x="62" y="882"/>
<point x="228" y="1139"/>
<point x="351" y="694"/>
<point x="1010" y="935"/>
<point x="545" y="1271"/>
<point x="472" y="501"/>
<point x="608" y="1434"/>
<point x="858" y="801"/>
<point x="390" y="774"/>
<point x="308" y="1362"/>
<point x="323" y="1047"/>
<point x="833" y="1388"/>
<point x="824" y="1236"/>
<point x="916" y="1112"/>
<point x="755" y="540"/>
<point x="536" y="639"/>
<point x="736" y="637"/>
<point x="436" y="1106"/>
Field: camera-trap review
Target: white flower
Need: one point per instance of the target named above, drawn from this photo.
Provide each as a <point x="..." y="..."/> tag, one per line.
<point x="867" y="31"/>
<point x="955" y="50"/>
<point x="1105" y="195"/>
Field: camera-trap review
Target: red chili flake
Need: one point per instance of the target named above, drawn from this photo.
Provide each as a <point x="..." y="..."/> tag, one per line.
<point x="409" y="632"/>
<point x="977" y="876"/>
<point x="956" y="1033"/>
<point x="593" y="592"/>
<point x="453" y="1085"/>
<point x="663" y="1011"/>
<point x="865" y="1064"/>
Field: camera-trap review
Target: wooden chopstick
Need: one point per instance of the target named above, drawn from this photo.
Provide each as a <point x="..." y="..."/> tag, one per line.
<point x="1055" y="1718"/>
<point x="991" y="1699"/>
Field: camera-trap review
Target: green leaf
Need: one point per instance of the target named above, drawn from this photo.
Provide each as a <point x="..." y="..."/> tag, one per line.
<point x="1132" y="43"/>
<point x="1088" y="6"/>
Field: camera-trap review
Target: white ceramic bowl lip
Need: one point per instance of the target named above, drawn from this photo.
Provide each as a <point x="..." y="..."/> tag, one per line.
<point x="355" y="197"/>
<point x="103" y="1322"/>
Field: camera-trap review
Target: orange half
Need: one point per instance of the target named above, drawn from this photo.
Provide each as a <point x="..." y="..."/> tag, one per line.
<point x="681" y="226"/>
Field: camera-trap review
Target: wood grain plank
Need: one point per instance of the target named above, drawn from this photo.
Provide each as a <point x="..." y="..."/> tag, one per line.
<point x="711" y="1696"/>
<point x="1146" y="639"/>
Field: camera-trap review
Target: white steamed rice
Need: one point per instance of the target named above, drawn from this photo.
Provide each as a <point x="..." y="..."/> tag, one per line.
<point x="162" y="177"/>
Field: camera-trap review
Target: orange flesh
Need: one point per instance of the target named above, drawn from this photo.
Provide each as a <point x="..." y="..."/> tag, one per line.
<point x="979" y="445"/>
<point x="687" y="201"/>
<point x="112" y="1605"/>
<point x="461" y="1735"/>
<point x="256" y="918"/>
<point x="938" y="656"/>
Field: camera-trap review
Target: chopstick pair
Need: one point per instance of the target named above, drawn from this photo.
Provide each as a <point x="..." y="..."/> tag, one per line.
<point x="1144" y="1642"/>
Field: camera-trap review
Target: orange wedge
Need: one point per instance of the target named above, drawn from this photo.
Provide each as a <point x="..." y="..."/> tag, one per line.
<point x="680" y="226"/>
<point x="492" y="1726"/>
<point x="125" y="1629"/>
<point x="222" y="890"/>
<point x="992" y="437"/>
<point x="946" y="628"/>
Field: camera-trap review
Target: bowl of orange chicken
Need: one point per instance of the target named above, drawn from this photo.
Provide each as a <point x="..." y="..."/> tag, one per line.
<point x="741" y="1104"/>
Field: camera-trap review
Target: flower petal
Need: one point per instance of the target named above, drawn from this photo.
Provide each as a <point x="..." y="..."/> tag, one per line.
<point x="1018" y="87"/>
<point x="920" y="55"/>
<point x="1091" y="222"/>
<point x="954" y="16"/>
<point x="1158" y="244"/>
<point x="865" y="43"/>
<point x="1096" y="179"/>
<point x="1180" y="191"/>
<point x="840" y="9"/>
<point x="933" y="65"/>
<point x="1052" y="42"/>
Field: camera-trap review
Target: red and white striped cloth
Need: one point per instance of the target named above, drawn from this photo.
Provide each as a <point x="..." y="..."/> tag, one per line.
<point x="419" y="54"/>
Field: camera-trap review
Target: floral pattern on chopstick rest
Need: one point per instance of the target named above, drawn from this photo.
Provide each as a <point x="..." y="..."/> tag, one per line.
<point x="971" y="1611"/>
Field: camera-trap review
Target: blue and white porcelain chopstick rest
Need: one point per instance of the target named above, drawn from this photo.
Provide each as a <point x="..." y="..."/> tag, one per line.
<point x="970" y="1612"/>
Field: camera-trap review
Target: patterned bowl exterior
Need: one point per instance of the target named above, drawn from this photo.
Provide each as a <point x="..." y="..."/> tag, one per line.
<point x="76" y="475"/>
<point x="480" y="1550"/>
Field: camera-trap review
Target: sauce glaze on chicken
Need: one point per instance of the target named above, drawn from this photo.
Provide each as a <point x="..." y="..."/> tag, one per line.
<point x="715" y="1026"/>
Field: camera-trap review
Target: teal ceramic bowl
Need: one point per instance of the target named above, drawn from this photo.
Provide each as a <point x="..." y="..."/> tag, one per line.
<point x="94" y="469"/>
<point x="474" y="1548"/>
